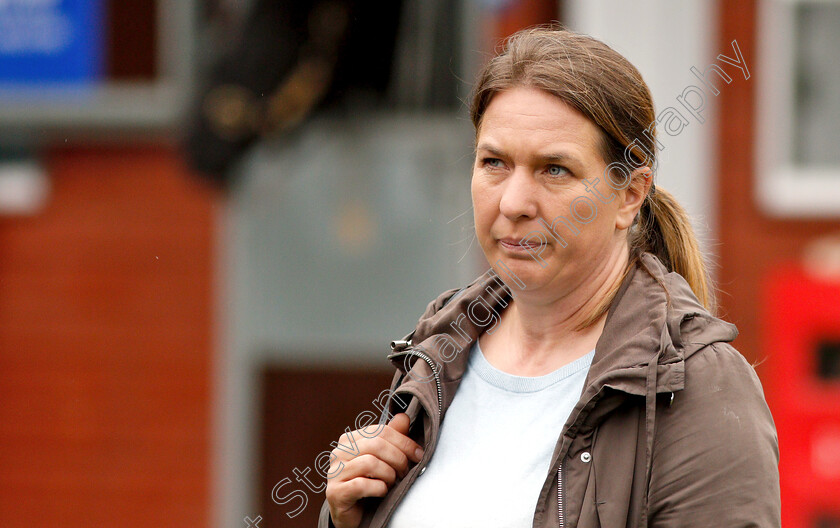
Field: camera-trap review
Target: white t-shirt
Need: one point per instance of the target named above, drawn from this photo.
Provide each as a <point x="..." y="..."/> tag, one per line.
<point x="495" y="448"/>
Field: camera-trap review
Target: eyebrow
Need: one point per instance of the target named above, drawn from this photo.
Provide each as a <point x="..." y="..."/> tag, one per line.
<point x="553" y="157"/>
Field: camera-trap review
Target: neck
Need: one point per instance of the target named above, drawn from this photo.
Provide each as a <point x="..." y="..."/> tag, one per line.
<point x="536" y="335"/>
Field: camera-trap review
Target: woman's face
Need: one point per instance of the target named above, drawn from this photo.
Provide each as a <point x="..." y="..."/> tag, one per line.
<point x="538" y="166"/>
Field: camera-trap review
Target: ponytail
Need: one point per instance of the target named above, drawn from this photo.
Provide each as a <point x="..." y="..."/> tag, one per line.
<point x="664" y="229"/>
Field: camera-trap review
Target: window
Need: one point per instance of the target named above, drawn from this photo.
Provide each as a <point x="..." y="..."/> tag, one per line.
<point x="798" y="127"/>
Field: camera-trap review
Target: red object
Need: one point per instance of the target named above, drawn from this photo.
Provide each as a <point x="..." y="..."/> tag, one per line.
<point x="802" y="348"/>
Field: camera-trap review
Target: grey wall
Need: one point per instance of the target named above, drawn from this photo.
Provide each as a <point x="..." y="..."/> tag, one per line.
<point x="342" y="234"/>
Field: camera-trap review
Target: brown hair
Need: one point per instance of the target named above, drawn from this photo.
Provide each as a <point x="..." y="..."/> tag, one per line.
<point x="600" y="83"/>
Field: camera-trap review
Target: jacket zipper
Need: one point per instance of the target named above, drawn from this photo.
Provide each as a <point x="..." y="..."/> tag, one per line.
<point x="398" y="347"/>
<point x="432" y="366"/>
<point x="560" y="516"/>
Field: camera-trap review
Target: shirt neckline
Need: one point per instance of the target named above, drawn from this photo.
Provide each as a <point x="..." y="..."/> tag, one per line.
<point x="523" y="384"/>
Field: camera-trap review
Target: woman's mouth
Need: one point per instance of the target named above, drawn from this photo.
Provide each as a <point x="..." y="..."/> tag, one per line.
<point x="520" y="245"/>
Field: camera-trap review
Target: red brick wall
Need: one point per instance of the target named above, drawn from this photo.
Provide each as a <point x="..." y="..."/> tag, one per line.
<point x="751" y="243"/>
<point x="105" y="346"/>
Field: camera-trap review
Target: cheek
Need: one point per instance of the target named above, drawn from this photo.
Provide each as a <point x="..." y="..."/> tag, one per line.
<point x="484" y="205"/>
<point x="606" y="211"/>
<point x="601" y="216"/>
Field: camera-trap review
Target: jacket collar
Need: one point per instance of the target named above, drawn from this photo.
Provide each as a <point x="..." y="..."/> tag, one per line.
<point x="654" y="315"/>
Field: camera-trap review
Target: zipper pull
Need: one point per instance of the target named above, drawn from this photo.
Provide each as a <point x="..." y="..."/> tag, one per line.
<point x="401" y="344"/>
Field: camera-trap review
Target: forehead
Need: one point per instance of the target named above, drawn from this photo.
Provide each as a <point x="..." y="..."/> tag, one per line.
<point x="532" y="118"/>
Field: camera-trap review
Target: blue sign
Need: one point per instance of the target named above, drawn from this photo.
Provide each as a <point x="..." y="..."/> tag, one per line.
<point x="51" y="42"/>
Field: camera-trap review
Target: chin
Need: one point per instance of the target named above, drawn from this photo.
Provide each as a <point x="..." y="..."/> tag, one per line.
<point x="527" y="271"/>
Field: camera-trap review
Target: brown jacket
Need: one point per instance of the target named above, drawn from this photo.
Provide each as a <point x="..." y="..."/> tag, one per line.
<point x="671" y="428"/>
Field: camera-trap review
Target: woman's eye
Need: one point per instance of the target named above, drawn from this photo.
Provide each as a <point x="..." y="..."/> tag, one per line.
<point x="556" y="170"/>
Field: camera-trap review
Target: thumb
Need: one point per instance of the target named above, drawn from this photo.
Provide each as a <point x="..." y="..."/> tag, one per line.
<point x="400" y="423"/>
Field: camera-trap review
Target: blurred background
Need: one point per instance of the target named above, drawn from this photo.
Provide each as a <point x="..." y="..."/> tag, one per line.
<point x="216" y="214"/>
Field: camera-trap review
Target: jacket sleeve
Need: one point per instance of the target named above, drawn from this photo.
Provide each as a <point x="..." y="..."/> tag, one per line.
<point x="715" y="457"/>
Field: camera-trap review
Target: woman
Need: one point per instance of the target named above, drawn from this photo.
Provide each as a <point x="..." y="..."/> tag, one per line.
<point x="583" y="380"/>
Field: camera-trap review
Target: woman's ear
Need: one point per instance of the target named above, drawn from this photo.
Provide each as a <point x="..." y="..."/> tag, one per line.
<point x="633" y="197"/>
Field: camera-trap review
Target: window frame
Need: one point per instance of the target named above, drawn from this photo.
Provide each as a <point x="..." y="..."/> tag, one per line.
<point x="783" y="187"/>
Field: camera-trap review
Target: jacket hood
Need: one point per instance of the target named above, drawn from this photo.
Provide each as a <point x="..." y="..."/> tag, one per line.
<point x="654" y="314"/>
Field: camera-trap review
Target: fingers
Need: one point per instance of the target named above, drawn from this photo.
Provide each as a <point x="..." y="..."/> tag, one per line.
<point x="390" y="454"/>
<point x="396" y="433"/>
<point x="364" y="476"/>
<point x="376" y="447"/>
<point x="388" y="439"/>
<point x="400" y="423"/>
<point x="366" y="487"/>
<point x="343" y="500"/>
<point x="371" y="467"/>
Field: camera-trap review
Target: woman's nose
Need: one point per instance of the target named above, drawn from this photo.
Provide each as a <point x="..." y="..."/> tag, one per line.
<point x="519" y="196"/>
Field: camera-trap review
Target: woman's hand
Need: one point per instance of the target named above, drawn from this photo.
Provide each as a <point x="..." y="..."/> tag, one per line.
<point x="371" y="472"/>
